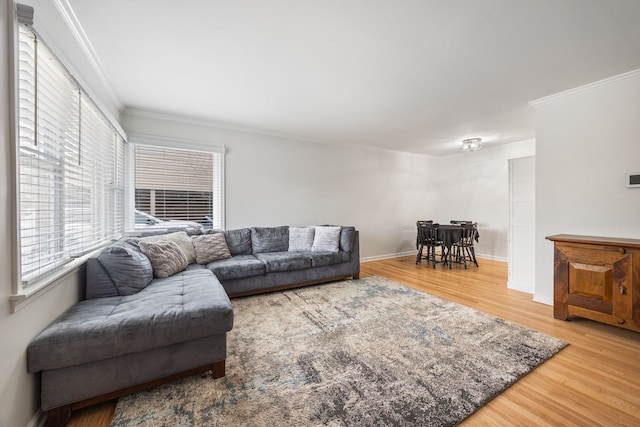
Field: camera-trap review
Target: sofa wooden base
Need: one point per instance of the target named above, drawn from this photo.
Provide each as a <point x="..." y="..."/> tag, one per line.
<point x="59" y="417"/>
<point x="295" y="285"/>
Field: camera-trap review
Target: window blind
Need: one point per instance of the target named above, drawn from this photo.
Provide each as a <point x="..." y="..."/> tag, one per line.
<point x="70" y="165"/>
<point x="179" y="184"/>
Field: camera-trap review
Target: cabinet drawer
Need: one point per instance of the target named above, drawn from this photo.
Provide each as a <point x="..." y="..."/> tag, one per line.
<point x="600" y="278"/>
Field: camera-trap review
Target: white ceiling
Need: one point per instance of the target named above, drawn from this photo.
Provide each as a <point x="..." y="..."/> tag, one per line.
<point x="408" y="75"/>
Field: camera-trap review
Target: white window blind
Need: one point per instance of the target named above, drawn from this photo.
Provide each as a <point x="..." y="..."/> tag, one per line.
<point x="179" y="184"/>
<point x="70" y="165"/>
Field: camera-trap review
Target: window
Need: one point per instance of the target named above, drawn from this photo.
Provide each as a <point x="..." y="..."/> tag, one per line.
<point x="70" y="165"/>
<point x="177" y="188"/>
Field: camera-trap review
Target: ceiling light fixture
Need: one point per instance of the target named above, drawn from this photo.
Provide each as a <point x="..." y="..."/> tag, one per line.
<point x="472" y="144"/>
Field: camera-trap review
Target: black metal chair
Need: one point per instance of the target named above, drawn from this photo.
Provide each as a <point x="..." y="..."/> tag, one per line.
<point x="428" y="238"/>
<point x="464" y="248"/>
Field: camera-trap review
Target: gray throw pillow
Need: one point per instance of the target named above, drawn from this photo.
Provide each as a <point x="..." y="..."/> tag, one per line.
<point x="129" y="270"/>
<point x="269" y="239"/>
<point x="327" y="239"/>
<point x="301" y="238"/>
<point x="166" y="257"/>
<point x="210" y="247"/>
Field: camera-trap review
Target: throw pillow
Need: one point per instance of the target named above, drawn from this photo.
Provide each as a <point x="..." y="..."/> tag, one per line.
<point x="210" y="247"/>
<point x="269" y="239"/>
<point x="181" y="239"/>
<point x="326" y="239"/>
<point x="301" y="238"/>
<point x="166" y="257"/>
<point x="129" y="270"/>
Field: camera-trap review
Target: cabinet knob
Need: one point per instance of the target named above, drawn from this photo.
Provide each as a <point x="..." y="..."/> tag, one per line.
<point x="623" y="251"/>
<point x="623" y="289"/>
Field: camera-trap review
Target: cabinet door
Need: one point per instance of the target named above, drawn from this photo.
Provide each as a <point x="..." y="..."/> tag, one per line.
<point x="599" y="278"/>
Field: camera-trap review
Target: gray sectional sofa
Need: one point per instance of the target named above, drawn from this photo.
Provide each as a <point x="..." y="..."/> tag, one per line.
<point x="158" y="308"/>
<point x="263" y="262"/>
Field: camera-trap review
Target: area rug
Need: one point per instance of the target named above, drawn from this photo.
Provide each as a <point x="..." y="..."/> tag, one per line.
<point x="367" y="352"/>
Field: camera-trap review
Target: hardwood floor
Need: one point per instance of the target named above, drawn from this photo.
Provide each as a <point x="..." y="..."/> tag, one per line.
<point x="594" y="381"/>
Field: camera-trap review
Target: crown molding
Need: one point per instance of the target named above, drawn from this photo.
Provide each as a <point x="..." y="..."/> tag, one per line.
<point x="204" y="122"/>
<point x="74" y="25"/>
<point x="585" y="88"/>
<point x="200" y="121"/>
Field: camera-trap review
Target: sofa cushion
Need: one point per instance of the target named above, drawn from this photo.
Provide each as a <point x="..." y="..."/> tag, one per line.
<point x="238" y="267"/>
<point x="327" y="239"/>
<point x="210" y="247"/>
<point x="321" y="259"/>
<point x="347" y="237"/>
<point x="301" y="238"/>
<point x="181" y="239"/>
<point x="196" y="267"/>
<point x="184" y="307"/>
<point x="166" y="257"/>
<point x="129" y="270"/>
<point x="284" y="261"/>
<point x="269" y="239"/>
<point x="239" y="241"/>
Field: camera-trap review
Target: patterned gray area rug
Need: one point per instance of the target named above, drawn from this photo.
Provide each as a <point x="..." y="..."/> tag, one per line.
<point x="367" y="352"/>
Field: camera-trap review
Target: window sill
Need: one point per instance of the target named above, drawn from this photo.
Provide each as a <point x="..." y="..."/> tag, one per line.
<point x="46" y="283"/>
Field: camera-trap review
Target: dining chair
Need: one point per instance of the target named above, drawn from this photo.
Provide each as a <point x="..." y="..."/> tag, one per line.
<point x="418" y="224"/>
<point x="428" y="239"/>
<point x="464" y="248"/>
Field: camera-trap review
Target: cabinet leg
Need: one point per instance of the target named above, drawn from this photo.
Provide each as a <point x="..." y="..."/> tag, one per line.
<point x="560" y="311"/>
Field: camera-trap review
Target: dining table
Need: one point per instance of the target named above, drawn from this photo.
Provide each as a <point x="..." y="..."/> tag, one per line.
<point x="450" y="234"/>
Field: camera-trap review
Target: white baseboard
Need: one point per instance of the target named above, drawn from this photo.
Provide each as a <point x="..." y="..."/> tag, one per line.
<point x="522" y="287"/>
<point x="413" y="253"/>
<point x="546" y="301"/>
<point x="492" y="257"/>
<point x="387" y="256"/>
<point x="38" y="419"/>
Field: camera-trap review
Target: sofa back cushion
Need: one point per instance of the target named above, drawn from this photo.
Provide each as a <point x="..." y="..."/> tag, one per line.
<point x="269" y="239"/>
<point x="347" y="237"/>
<point x="166" y="257"/>
<point x="239" y="241"/>
<point x="129" y="270"/>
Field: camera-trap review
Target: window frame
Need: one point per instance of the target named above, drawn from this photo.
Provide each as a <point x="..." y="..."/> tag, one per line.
<point x="169" y="143"/>
<point x="21" y="293"/>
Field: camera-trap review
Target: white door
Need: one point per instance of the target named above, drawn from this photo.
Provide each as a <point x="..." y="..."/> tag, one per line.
<point x="522" y="224"/>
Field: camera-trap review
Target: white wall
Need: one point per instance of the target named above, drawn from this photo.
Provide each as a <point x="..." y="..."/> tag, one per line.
<point x="587" y="140"/>
<point x="273" y="180"/>
<point x="19" y="399"/>
<point x="585" y="144"/>
<point x="475" y="185"/>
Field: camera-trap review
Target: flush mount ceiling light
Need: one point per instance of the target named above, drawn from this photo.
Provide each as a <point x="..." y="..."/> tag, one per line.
<point x="471" y="144"/>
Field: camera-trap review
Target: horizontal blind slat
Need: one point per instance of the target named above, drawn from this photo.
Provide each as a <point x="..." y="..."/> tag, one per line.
<point x="175" y="183"/>
<point x="71" y="164"/>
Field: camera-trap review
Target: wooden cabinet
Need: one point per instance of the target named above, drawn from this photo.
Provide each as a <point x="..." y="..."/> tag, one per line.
<point x="597" y="278"/>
